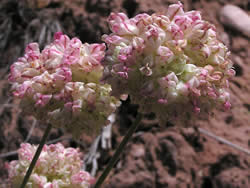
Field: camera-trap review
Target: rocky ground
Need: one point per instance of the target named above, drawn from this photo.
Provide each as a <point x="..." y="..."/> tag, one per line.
<point x="157" y="157"/>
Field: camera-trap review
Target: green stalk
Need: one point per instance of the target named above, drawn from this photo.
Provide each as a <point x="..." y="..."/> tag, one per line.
<point x="119" y="150"/>
<point x="36" y="156"/>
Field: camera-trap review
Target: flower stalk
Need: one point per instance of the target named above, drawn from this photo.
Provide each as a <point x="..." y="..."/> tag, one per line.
<point x="36" y="156"/>
<point x="119" y="150"/>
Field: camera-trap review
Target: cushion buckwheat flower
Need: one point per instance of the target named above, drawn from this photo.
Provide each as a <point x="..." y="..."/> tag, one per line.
<point x="56" y="167"/>
<point x="170" y="63"/>
<point x="61" y="84"/>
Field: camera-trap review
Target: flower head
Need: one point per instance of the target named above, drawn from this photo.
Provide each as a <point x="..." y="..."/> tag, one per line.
<point x="61" y="84"/>
<point x="56" y="167"/>
<point x="170" y="63"/>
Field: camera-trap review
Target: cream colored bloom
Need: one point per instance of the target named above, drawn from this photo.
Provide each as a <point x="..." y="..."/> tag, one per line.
<point x="57" y="167"/>
<point x="61" y="84"/>
<point x="170" y="63"/>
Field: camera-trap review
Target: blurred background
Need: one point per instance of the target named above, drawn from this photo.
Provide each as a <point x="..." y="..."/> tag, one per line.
<point x="157" y="157"/>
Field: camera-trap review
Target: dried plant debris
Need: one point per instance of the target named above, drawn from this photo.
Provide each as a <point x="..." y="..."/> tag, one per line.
<point x="21" y="23"/>
<point x="42" y="29"/>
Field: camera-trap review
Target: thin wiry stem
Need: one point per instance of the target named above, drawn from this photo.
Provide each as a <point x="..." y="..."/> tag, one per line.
<point x="224" y="141"/>
<point x="119" y="150"/>
<point x="8" y="154"/>
<point x="31" y="130"/>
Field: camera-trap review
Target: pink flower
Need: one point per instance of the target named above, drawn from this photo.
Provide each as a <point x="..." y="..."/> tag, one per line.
<point x="171" y="63"/>
<point x="120" y="24"/>
<point x="54" y="84"/>
<point x="82" y="179"/>
<point x="57" y="166"/>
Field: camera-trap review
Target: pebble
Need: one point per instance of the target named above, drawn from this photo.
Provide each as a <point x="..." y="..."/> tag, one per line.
<point x="236" y="18"/>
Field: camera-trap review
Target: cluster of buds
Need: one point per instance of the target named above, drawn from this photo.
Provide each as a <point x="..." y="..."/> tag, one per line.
<point x="170" y="63"/>
<point x="62" y="85"/>
<point x="56" y="167"/>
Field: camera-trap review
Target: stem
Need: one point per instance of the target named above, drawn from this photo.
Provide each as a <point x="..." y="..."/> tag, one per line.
<point x="119" y="150"/>
<point x="224" y="141"/>
<point x="36" y="156"/>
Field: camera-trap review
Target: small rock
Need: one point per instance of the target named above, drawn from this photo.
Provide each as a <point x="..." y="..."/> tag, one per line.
<point x="234" y="17"/>
<point x="138" y="151"/>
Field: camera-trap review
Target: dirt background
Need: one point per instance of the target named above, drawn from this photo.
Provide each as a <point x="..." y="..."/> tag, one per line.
<point x="157" y="157"/>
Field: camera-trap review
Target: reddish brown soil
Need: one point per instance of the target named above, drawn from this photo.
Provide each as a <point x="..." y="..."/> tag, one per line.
<point x="157" y="157"/>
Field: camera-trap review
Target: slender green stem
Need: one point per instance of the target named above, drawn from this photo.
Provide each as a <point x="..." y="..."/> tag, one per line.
<point x="119" y="150"/>
<point x="36" y="156"/>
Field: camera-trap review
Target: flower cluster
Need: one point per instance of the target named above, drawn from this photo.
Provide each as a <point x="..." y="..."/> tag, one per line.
<point x="56" y="167"/>
<point x="61" y="84"/>
<point x="170" y="63"/>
